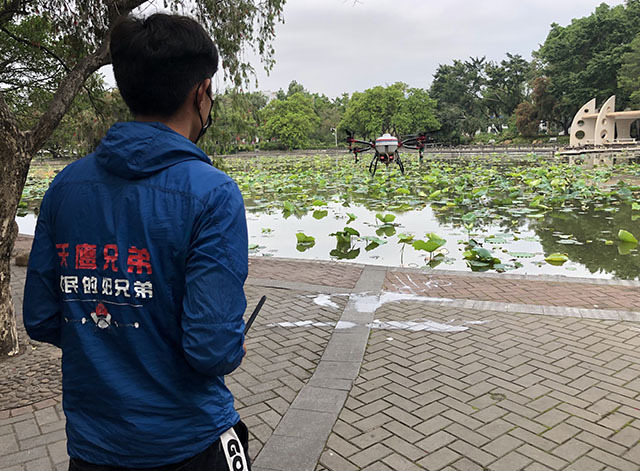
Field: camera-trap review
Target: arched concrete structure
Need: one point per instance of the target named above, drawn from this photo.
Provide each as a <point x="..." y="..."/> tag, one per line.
<point x="605" y="124"/>
<point x="602" y="127"/>
<point x="583" y="126"/>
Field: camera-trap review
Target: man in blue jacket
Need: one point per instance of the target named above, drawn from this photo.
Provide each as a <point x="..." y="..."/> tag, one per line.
<point x="138" y="266"/>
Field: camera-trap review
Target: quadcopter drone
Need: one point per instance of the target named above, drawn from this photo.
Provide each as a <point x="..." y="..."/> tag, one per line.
<point x="386" y="148"/>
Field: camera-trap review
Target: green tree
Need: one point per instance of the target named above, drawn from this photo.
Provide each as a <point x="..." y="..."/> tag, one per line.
<point x="629" y="74"/>
<point x="417" y="113"/>
<point x="457" y="89"/>
<point x="329" y="113"/>
<point x="396" y="108"/>
<point x="53" y="46"/>
<point x="236" y="121"/>
<point x="290" y="120"/>
<point x="506" y="88"/>
<point x="581" y="60"/>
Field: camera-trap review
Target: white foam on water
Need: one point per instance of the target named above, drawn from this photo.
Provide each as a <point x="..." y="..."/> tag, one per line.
<point x="415" y="326"/>
<point x="345" y="325"/>
<point x="370" y="303"/>
<point x="302" y="324"/>
<point x="325" y="300"/>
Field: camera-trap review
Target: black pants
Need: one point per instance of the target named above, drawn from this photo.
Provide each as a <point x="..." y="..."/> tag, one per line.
<point x="211" y="459"/>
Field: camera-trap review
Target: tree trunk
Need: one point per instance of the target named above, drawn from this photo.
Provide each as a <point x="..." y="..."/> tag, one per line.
<point x="16" y="150"/>
<point x="15" y="166"/>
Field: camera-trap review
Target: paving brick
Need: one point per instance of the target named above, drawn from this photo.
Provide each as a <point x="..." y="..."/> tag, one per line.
<point x="537" y="467"/>
<point x="613" y="460"/>
<point x="433" y="425"/>
<point x="633" y="454"/>
<point x="602" y="443"/>
<point x="489" y="414"/>
<point x="511" y="462"/>
<point x="465" y="464"/>
<point x="21" y="411"/>
<point x="543" y="457"/>
<point x="460" y="431"/>
<point x="46" y="403"/>
<point x="21" y="457"/>
<point x="26" y="429"/>
<point x="436" y="441"/>
<point x="345" y="430"/>
<point x="439" y="459"/>
<point x="397" y="462"/>
<point x="552" y="418"/>
<point x="403" y="431"/>
<point x="561" y="433"/>
<point x="533" y="439"/>
<point x="58" y="452"/>
<point x="341" y="446"/>
<point x="502" y="445"/>
<point x="41" y="464"/>
<point x="370" y="455"/>
<point x="471" y="452"/>
<point x="8" y="445"/>
<point x="334" y="462"/>
<point x="371" y="437"/>
<point x="404" y="448"/>
<point x="495" y="428"/>
<point x="572" y="450"/>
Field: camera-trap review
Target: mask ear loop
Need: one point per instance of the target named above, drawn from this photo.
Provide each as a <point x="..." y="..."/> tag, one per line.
<point x="204" y="126"/>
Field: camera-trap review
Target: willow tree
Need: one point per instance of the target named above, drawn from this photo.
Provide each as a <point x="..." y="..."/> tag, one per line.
<point x="51" y="49"/>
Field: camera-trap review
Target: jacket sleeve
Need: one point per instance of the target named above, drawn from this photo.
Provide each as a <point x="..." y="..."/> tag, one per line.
<point x="41" y="310"/>
<point x="214" y="300"/>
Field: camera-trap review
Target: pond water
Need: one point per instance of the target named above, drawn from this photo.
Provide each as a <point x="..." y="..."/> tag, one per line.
<point x="491" y="214"/>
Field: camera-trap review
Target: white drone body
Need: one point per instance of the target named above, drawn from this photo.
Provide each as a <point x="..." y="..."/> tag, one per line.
<point x="386" y="145"/>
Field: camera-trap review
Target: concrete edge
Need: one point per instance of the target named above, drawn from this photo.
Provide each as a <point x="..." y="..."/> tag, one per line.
<point x="292" y="445"/>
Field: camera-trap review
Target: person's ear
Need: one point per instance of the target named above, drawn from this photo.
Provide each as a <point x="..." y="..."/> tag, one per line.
<point x="202" y="96"/>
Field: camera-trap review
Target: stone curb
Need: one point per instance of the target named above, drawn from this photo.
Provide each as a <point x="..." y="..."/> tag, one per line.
<point x="300" y="437"/>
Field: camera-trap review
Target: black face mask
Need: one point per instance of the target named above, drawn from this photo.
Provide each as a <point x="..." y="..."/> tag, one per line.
<point x="206" y="125"/>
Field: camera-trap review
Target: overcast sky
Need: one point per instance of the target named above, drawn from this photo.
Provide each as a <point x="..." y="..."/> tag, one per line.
<point x="337" y="46"/>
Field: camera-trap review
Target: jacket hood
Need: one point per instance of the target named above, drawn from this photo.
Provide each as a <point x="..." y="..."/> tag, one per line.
<point x="135" y="150"/>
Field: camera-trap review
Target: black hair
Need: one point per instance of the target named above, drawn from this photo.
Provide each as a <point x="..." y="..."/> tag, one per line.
<point x="158" y="60"/>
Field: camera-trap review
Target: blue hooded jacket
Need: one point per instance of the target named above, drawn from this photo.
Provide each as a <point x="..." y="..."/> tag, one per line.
<point x="137" y="272"/>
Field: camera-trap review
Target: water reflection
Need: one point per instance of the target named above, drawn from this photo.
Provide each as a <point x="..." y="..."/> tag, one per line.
<point x="591" y="229"/>
<point x="506" y="207"/>
<point x="518" y="241"/>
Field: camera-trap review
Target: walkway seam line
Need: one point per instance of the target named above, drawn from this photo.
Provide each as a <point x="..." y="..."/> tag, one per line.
<point x="300" y="437"/>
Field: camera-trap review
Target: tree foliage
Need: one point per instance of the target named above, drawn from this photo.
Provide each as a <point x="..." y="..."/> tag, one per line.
<point x="457" y="88"/>
<point x="290" y="121"/>
<point x="236" y="122"/>
<point x="396" y="108"/>
<point x="581" y="60"/>
<point x="476" y="94"/>
<point x="629" y="74"/>
<point x="527" y="120"/>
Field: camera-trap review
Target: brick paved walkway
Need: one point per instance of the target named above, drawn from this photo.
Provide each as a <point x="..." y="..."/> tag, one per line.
<point x="402" y="370"/>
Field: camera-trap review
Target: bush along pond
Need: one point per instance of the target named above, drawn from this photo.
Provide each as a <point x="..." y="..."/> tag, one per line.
<point x="488" y="213"/>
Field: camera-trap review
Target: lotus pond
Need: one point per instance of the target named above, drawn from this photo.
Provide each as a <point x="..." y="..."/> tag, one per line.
<point x="531" y="216"/>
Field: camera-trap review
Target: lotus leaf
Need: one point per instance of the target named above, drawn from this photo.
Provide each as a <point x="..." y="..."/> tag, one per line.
<point x="320" y="213"/>
<point x="386" y="219"/>
<point x="626" y="236"/>
<point x="557" y="258"/>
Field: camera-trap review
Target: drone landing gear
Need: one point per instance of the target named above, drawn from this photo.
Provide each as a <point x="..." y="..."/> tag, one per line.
<point x="399" y="162"/>
<point x="373" y="166"/>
